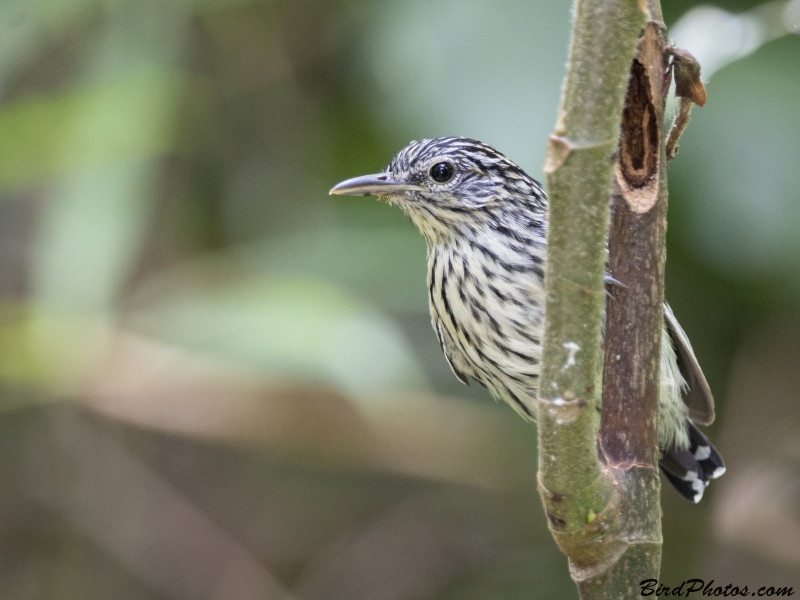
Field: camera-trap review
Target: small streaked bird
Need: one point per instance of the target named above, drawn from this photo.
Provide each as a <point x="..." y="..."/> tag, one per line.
<point x="485" y="223"/>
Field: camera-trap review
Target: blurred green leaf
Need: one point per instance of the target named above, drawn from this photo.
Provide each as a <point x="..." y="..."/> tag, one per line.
<point x="90" y="235"/>
<point x="27" y="25"/>
<point x="386" y="265"/>
<point x="288" y="328"/>
<point x="445" y="67"/>
<point x="115" y="120"/>
<point x="739" y="161"/>
<point x="716" y="37"/>
<point x="48" y="352"/>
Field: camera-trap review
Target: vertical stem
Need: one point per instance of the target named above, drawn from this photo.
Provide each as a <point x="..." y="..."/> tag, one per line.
<point x="634" y="317"/>
<point x="604" y="512"/>
<point x="580" y="495"/>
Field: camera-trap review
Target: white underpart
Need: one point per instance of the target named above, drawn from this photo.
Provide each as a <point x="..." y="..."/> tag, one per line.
<point x="473" y="348"/>
<point x="504" y="360"/>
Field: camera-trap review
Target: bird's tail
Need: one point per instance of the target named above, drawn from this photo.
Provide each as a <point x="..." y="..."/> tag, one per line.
<point x="691" y="469"/>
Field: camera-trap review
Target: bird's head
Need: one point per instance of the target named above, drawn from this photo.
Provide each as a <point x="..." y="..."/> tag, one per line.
<point x="447" y="184"/>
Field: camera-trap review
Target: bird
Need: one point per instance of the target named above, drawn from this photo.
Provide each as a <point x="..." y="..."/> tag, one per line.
<point x="485" y="224"/>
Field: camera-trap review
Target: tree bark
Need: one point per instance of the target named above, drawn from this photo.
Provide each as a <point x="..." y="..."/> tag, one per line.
<point x="634" y="314"/>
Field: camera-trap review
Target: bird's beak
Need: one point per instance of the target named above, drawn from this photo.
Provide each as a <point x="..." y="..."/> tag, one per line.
<point x="380" y="184"/>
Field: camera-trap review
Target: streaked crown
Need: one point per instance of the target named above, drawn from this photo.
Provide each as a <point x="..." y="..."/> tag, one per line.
<point x="445" y="184"/>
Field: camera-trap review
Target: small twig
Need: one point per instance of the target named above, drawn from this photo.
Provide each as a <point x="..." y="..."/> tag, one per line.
<point x="679" y="123"/>
<point x="689" y="90"/>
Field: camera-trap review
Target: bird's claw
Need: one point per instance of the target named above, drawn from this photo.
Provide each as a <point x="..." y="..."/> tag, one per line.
<point x="609" y="280"/>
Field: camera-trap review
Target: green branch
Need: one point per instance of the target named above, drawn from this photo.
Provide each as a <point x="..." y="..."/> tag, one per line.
<point x="587" y="502"/>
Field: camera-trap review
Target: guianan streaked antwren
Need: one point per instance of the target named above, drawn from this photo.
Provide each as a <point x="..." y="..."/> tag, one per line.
<point x="485" y="223"/>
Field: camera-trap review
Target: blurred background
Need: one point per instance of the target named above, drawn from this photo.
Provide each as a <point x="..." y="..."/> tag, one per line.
<point x="219" y="382"/>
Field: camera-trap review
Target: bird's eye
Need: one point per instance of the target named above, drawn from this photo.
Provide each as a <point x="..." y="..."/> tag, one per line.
<point x="442" y="172"/>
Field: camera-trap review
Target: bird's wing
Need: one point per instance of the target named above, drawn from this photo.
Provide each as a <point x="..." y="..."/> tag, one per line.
<point x="698" y="397"/>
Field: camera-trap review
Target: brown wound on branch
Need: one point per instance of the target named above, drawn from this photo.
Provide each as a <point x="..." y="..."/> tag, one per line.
<point x="639" y="150"/>
<point x="558" y="149"/>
